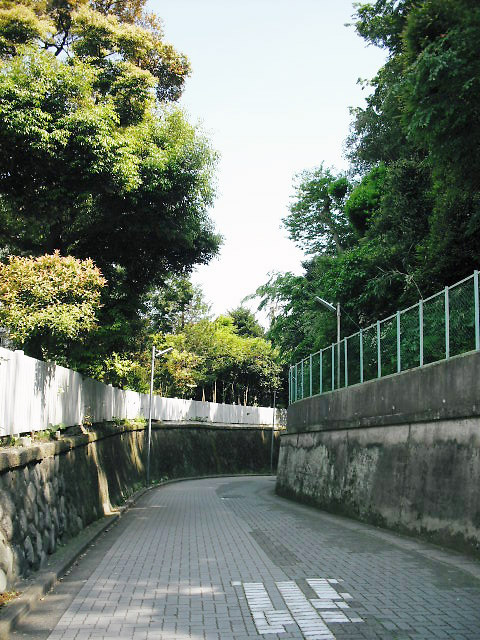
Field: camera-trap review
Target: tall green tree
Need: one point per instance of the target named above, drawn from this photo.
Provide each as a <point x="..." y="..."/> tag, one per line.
<point x="316" y="222"/>
<point x="246" y="323"/>
<point x="133" y="198"/>
<point x="121" y="39"/>
<point x="442" y="106"/>
<point x="424" y="110"/>
<point x="95" y="159"/>
<point x="174" y="305"/>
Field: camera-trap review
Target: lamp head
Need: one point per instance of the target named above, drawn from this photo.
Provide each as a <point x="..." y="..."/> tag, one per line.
<point x="160" y="353"/>
<point x="326" y="304"/>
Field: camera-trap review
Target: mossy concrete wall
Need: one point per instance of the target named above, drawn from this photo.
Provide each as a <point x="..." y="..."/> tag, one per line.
<point x="401" y="452"/>
<point x="49" y="492"/>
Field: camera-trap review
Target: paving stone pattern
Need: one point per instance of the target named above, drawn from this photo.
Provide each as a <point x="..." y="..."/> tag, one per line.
<point x="226" y="559"/>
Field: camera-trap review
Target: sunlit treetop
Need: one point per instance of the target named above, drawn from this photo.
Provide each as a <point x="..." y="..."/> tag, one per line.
<point x="121" y="39"/>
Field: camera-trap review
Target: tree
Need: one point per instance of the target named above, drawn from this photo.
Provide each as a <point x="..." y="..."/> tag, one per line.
<point x="177" y="303"/>
<point x="424" y="110"/>
<point x="316" y="222"/>
<point x="125" y="371"/>
<point x="382" y="22"/>
<point x="95" y="161"/>
<point x="132" y="198"/>
<point x="120" y="39"/>
<point x="210" y="360"/>
<point x="376" y="135"/>
<point x="414" y="205"/>
<point x="364" y="200"/>
<point x="48" y="302"/>
<point x="286" y="297"/>
<point x="442" y="107"/>
<point x="245" y="323"/>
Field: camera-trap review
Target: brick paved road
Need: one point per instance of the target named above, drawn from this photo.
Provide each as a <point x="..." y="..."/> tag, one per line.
<point x="226" y="559"/>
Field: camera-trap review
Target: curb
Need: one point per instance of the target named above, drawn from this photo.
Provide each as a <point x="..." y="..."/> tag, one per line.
<point x="33" y="589"/>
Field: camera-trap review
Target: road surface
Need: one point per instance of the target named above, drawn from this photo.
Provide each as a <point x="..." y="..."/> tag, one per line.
<point x="227" y="559"/>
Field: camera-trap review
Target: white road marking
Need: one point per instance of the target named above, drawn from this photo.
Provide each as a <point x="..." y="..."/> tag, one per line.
<point x="330" y="604"/>
<point x="311" y="625"/>
<point x="323" y="589"/>
<point x="266" y="618"/>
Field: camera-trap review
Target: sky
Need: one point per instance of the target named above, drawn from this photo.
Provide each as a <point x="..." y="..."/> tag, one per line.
<point x="272" y="82"/>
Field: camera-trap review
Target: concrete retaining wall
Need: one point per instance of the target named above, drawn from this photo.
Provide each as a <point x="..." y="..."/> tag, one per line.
<point x="49" y="492"/>
<point x="36" y="395"/>
<point x="402" y="452"/>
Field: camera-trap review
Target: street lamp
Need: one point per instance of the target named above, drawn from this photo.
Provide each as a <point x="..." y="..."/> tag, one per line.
<point x="154" y="355"/>
<point x="336" y="309"/>
<point x="273" y="430"/>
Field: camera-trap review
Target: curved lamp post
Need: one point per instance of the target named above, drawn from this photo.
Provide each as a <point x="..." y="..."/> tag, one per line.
<point x="273" y="430"/>
<point x="154" y="355"/>
<point x="335" y="309"/>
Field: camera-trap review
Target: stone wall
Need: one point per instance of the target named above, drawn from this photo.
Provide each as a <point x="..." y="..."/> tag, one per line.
<point x="401" y="452"/>
<point x="49" y="492"/>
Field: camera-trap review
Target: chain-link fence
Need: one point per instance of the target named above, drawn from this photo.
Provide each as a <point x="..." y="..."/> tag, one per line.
<point x="444" y="325"/>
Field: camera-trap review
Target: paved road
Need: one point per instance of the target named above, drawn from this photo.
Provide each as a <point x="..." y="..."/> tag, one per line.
<point x="226" y="559"/>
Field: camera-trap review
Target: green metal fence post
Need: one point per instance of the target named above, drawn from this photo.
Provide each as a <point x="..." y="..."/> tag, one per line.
<point x="477" y="310"/>
<point x="379" y="352"/>
<point x="302" y="380"/>
<point x="399" y="353"/>
<point x="420" y="327"/>
<point x="447" y="325"/>
<point x="346" y="362"/>
<point x="333" y="367"/>
<point x="311" y="376"/>
<point x="296" y="381"/>
<point x="321" y="371"/>
<point x="361" y="355"/>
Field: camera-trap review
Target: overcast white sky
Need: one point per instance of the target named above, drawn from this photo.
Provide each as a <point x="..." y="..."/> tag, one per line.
<point x="272" y="83"/>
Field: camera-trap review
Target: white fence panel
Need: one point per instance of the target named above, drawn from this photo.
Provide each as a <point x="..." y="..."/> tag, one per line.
<point x="35" y="395"/>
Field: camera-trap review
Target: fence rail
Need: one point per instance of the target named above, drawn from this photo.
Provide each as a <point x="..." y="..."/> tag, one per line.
<point x="436" y="328"/>
<point x="35" y="395"/>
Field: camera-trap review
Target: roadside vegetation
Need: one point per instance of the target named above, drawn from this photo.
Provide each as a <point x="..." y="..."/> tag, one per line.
<point x="105" y="189"/>
<point x="104" y="195"/>
<point x="404" y="220"/>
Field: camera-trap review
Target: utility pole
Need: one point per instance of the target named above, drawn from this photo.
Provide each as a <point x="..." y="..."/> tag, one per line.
<point x="338" y="310"/>
<point x="273" y="430"/>
<point x="149" y="437"/>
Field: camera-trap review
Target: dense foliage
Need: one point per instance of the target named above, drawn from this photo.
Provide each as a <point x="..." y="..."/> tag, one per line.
<point x="405" y="220"/>
<point x="219" y="361"/>
<point x="98" y="163"/>
<point x="177" y="303"/>
<point x="46" y="303"/>
<point x="223" y="360"/>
